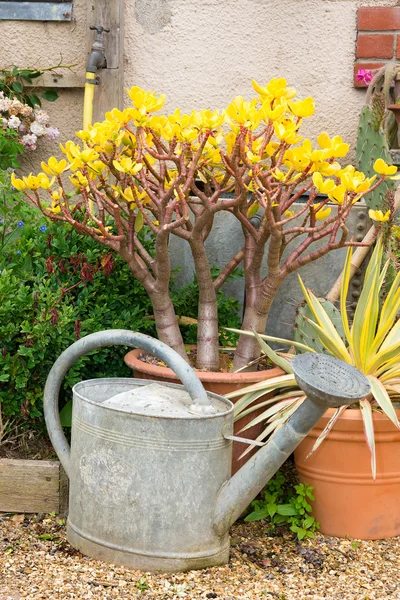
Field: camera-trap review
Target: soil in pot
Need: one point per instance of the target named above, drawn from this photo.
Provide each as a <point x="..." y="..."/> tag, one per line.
<point x="220" y="383"/>
<point x="348" y="502"/>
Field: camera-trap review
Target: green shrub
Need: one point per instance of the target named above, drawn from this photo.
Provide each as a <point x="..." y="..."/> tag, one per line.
<point x="57" y="286"/>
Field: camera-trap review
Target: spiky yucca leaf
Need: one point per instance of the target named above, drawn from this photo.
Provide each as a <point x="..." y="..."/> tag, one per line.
<point x="372" y="345"/>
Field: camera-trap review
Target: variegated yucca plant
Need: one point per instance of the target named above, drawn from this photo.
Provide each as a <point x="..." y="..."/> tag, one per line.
<point x="371" y="343"/>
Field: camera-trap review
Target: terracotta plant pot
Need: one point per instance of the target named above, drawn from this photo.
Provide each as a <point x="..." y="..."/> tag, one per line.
<point x="348" y="502"/>
<point x="219" y="383"/>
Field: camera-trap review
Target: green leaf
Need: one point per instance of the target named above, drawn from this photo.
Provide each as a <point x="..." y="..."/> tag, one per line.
<point x="279" y="361"/>
<point x="287" y="510"/>
<point x="139" y="222"/>
<point x="34" y="100"/>
<point x="17" y="87"/>
<point x="66" y="415"/>
<point x="50" y="95"/>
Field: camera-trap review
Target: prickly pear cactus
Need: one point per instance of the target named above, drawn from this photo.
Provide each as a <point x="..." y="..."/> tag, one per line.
<point x="372" y="144"/>
<point x="304" y="332"/>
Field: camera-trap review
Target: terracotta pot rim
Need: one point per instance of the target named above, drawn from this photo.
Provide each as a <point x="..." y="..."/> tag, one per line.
<point x="131" y="360"/>
<point x="354" y="414"/>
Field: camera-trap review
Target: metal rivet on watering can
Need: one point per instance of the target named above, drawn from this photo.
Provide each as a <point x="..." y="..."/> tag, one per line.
<point x="149" y="464"/>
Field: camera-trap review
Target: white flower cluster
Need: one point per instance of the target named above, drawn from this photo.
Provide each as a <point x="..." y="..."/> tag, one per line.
<point x="30" y="123"/>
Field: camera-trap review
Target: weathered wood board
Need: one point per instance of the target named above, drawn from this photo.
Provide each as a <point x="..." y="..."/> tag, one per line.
<point x="29" y="486"/>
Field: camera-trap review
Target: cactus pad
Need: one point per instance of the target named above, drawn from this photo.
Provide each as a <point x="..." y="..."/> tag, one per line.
<point x="304" y="332"/>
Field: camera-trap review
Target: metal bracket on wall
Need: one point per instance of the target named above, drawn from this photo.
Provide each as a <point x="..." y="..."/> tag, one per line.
<point x="57" y="10"/>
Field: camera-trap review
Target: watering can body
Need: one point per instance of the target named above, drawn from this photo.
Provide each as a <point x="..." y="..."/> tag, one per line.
<point x="149" y="464"/>
<point x="143" y="486"/>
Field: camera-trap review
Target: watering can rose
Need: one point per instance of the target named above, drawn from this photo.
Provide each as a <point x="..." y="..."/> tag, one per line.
<point x="172" y="173"/>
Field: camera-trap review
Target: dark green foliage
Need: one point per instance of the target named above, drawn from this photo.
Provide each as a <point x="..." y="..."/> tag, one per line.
<point x="10" y="148"/>
<point x="282" y="504"/>
<point x="57" y="286"/>
<point x="13" y="82"/>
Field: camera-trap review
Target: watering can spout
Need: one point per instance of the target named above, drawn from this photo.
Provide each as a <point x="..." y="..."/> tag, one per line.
<point x="328" y="383"/>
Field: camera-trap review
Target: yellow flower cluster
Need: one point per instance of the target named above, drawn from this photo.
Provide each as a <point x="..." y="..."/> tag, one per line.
<point x="118" y="152"/>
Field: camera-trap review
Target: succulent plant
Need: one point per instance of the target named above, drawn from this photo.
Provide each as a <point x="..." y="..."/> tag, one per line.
<point x="377" y="131"/>
<point x="305" y="333"/>
<point x="371" y="145"/>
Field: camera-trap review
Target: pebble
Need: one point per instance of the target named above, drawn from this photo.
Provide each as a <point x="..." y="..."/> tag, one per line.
<point x="261" y="566"/>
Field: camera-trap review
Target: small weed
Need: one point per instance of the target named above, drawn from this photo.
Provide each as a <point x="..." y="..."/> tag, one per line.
<point x="280" y="505"/>
<point x="142" y="584"/>
<point x="355" y="544"/>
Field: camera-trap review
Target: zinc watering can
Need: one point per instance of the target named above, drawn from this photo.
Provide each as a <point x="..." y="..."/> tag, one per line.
<point x="150" y="463"/>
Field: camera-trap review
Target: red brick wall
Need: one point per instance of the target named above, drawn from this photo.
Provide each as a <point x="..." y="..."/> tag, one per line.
<point x="378" y="38"/>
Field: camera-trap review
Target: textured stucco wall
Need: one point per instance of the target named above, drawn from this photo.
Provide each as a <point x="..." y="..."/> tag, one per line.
<point x="203" y="53"/>
<point x="44" y="44"/>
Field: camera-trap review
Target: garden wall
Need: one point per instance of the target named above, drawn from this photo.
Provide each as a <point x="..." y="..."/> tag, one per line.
<point x="203" y="53"/>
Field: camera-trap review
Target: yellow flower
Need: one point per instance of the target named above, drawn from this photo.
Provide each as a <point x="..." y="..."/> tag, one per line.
<point x="33" y="182"/>
<point x="323" y="186"/>
<point x="208" y="119"/>
<point x="303" y="108"/>
<point x="286" y="131"/>
<point x="57" y="195"/>
<point x="127" y="165"/>
<point x="338" y="195"/>
<point x="321" y="214"/>
<point x="145" y="101"/>
<point x="253" y="158"/>
<point x="384" y="169"/>
<point x="289" y="213"/>
<point x="17" y="183"/>
<point x="53" y="166"/>
<point x="355" y="181"/>
<point x="377" y="215"/>
<point x="45" y="182"/>
<point x="335" y="147"/>
<point x="272" y="114"/>
<point x="275" y="88"/>
<point x="79" y="180"/>
<point x="243" y="113"/>
<point x="55" y="208"/>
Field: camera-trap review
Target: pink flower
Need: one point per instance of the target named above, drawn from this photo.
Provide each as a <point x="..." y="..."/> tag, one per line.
<point x="365" y="76"/>
<point x="52" y="133"/>
<point x="29" y="141"/>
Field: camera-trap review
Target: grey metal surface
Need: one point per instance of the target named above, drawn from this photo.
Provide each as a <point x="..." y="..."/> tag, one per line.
<point x="159" y="400"/>
<point x="142" y="488"/>
<point x="226" y="239"/>
<point x="329" y="380"/>
<point x="36" y="11"/>
<point x="119" y="337"/>
<point x="243" y="487"/>
<point x="150" y="486"/>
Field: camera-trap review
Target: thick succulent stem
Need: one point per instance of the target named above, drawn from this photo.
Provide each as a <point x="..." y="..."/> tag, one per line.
<point x="255" y="317"/>
<point x="167" y="323"/>
<point x="207" y="357"/>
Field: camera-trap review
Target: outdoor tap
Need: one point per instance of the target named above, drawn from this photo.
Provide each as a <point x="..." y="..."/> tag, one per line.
<point x="97" y="59"/>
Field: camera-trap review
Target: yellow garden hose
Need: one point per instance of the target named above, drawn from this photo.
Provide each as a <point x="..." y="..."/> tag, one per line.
<point x="88" y="99"/>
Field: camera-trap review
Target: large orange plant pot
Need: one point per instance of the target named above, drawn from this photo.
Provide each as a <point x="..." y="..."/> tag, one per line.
<point x="348" y="502"/>
<point x="219" y="383"/>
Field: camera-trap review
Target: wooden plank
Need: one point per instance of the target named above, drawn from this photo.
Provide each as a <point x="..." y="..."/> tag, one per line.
<point x="65" y="79"/>
<point x="29" y="486"/>
<point x="109" y="93"/>
<point x="63" y="493"/>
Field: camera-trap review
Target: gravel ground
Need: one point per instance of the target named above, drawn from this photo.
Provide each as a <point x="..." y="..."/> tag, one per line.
<point x="37" y="562"/>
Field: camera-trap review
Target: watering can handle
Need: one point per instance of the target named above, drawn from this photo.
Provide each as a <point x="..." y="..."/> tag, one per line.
<point x="111" y="337"/>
